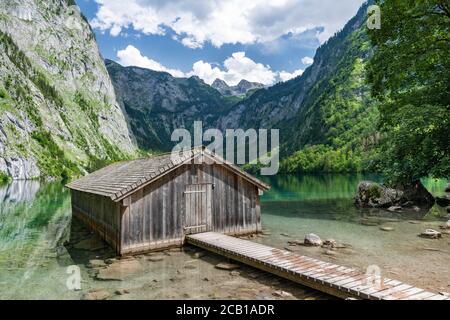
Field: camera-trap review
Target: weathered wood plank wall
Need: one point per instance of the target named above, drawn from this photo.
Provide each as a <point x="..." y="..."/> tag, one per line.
<point x="155" y="217"/>
<point x="100" y="214"/>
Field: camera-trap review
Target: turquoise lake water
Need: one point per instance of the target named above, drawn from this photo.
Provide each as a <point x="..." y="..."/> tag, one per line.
<point x="37" y="235"/>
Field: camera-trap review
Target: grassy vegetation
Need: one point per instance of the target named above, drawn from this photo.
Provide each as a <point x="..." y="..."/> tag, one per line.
<point x="52" y="159"/>
<point x="374" y="191"/>
<point x="4" y="178"/>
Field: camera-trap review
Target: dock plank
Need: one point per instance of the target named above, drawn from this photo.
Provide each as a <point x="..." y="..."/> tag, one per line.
<point x="324" y="276"/>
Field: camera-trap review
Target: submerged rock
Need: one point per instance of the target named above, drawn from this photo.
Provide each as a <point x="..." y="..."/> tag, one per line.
<point x="96" y="263"/>
<point x="156" y="258"/>
<point x="431" y="234"/>
<point x="312" y="239"/>
<point x="387" y="228"/>
<point x="375" y="195"/>
<point x="96" y="295"/>
<point x="369" y="222"/>
<point x="281" y="294"/>
<point x="198" y="255"/>
<point x="121" y="292"/>
<point x="227" y="266"/>
<point x="394" y="208"/>
<point x="329" y="243"/>
<point x="446" y="225"/>
<point x="330" y="253"/>
<point x="295" y="242"/>
<point x="120" y="270"/>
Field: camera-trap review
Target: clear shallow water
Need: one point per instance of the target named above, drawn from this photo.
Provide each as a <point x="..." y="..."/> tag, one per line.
<point x="324" y="205"/>
<point x="39" y="240"/>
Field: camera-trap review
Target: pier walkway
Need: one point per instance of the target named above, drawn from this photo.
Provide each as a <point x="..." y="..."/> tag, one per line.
<point x="327" y="277"/>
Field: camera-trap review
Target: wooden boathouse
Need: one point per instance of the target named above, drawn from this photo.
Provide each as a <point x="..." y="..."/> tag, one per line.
<point x="153" y="203"/>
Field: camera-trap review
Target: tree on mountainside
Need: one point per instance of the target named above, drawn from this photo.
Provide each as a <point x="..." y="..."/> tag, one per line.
<point x="410" y="77"/>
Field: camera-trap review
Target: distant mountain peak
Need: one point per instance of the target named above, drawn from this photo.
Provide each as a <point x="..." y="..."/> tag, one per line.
<point x="240" y="89"/>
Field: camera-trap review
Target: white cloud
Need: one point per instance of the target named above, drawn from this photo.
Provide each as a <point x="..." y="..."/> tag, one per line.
<point x="307" y="61"/>
<point x="131" y="56"/>
<point x="234" y="69"/>
<point x="220" y="22"/>
<point x="285" y="76"/>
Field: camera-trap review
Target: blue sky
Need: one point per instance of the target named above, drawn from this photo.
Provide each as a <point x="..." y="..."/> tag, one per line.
<point x="259" y="40"/>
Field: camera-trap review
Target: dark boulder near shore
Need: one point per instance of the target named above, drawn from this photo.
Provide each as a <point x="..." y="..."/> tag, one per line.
<point x="375" y="195"/>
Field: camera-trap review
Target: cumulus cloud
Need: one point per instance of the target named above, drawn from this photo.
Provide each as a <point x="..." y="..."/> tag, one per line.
<point x="233" y="70"/>
<point x="307" y="61"/>
<point x="131" y="56"/>
<point x="225" y="22"/>
<point x="285" y="76"/>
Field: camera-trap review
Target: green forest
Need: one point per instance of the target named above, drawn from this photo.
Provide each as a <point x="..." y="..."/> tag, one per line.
<point x="403" y="130"/>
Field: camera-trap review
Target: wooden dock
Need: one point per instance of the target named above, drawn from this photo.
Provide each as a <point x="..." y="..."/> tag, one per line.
<point x="323" y="276"/>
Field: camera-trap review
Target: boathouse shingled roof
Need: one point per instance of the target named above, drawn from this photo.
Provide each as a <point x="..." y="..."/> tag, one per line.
<point x="121" y="179"/>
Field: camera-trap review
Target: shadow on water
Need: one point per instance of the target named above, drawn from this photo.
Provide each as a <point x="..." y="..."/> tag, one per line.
<point x="83" y="245"/>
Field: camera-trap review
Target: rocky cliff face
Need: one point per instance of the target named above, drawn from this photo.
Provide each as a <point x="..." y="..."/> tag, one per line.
<point x="58" y="110"/>
<point x="241" y="89"/>
<point x="157" y="103"/>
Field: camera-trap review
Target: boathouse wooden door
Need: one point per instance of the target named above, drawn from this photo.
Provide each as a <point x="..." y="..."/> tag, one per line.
<point x="198" y="217"/>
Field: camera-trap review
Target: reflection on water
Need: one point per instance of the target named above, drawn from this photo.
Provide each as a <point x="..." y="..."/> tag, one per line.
<point x="39" y="240"/>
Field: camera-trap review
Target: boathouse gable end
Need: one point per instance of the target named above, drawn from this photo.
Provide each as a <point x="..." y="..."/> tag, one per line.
<point x="183" y="199"/>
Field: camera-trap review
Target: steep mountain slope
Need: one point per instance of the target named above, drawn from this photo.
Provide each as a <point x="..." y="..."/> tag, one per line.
<point x="58" y="111"/>
<point x="241" y="89"/>
<point x="156" y="103"/>
<point x="327" y="113"/>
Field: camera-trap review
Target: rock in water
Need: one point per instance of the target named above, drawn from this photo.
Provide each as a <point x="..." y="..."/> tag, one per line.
<point x="121" y="292"/>
<point x="386" y="228"/>
<point x="446" y="225"/>
<point x="120" y="270"/>
<point x="395" y="208"/>
<point x="227" y="266"/>
<point x="156" y="258"/>
<point x="431" y="234"/>
<point x="96" y="263"/>
<point x="96" y="295"/>
<point x="281" y="294"/>
<point x="312" y="239"/>
<point x="372" y="194"/>
<point x="329" y="243"/>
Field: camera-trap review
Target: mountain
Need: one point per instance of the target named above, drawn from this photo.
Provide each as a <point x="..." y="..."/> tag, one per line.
<point x="326" y="116"/>
<point x="241" y="89"/>
<point x="58" y="111"/>
<point x="156" y="103"/>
